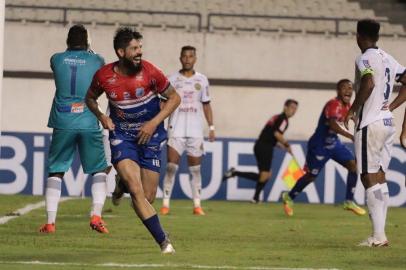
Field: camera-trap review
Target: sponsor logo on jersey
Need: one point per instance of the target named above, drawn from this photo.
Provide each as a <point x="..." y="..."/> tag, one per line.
<point x="115" y="142"/>
<point x="126" y="95"/>
<point x="77" y="107"/>
<point x="74" y="61"/>
<point x="113" y="95"/>
<point x="139" y="92"/>
<point x="198" y="86"/>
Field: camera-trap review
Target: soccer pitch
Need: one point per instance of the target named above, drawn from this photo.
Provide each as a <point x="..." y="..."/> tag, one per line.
<point x="233" y="235"/>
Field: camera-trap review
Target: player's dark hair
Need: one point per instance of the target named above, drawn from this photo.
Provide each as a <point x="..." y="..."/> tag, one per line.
<point x="341" y="82"/>
<point x="77" y="37"/>
<point x="187" y="48"/>
<point x="123" y="37"/>
<point x="368" y="28"/>
<point x="290" y="101"/>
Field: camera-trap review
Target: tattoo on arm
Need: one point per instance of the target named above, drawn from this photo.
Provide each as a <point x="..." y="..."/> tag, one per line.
<point x="91" y="101"/>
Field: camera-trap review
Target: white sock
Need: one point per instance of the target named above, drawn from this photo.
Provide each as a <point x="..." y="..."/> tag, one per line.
<point x="375" y="206"/>
<point x="52" y="196"/>
<point x="169" y="180"/>
<point x="99" y="192"/>
<point x="196" y="184"/>
<point x="385" y="193"/>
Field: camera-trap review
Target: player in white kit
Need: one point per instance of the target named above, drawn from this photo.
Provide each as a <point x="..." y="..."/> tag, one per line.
<point x="186" y="127"/>
<point x="376" y="72"/>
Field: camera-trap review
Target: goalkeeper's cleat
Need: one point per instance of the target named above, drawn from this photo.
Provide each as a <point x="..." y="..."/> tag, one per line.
<point x="373" y="242"/>
<point x="352" y="206"/>
<point x="230" y="173"/>
<point x="47" y="228"/>
<point x="198" y="211"/>
<point x="98" y="224"/>
<point x="164" y="210"/>
<point x="287" y="204"/>
<point x="118" y="192"/>
<point x="166" y="246"/>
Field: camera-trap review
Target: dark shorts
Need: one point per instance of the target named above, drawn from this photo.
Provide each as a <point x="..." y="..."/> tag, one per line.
<point x="318" y="155"/>
<point x="263" y="153"/>
<point x="146" y="156"/>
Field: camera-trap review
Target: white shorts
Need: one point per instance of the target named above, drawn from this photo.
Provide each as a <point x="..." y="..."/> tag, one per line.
<point x="192" y="146"/>
<point x="373" y="146"/>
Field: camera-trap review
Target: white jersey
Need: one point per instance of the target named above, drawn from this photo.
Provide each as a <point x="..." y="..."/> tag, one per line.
<point x="188" y="119"/>
<point x="385" y="70"/>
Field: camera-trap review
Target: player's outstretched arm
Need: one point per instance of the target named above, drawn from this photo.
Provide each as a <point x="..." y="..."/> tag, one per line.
<point x="365" y="89"/>
<point x="208" y="114"/>
<point x="91" y="102"/>
<point x="172" y="102"/>
<point x="334" y="126"/>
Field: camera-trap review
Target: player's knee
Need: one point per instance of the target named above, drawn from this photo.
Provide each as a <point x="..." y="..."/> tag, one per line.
<point x="171" y="168"/>
<point x="150" y="196"/>
<point x="135" y="190"/>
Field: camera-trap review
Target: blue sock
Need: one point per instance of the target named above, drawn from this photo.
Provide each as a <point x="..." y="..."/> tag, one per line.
<point x="300" y="185"/>
<point x="351" y="183"/>
<point x="154" y="227"/>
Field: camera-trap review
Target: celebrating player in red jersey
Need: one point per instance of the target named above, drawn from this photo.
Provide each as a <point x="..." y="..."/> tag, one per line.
<point x="324" y="145"/>
<point x="136" y="126"/>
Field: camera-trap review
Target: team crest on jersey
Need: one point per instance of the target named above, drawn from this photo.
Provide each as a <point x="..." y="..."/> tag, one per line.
<point x="366" y="63"/>
<point x="198" y="86"/>
<point x="113" y="95"/>
<point x="139" y="92"/>
<point x="126" y="95"/>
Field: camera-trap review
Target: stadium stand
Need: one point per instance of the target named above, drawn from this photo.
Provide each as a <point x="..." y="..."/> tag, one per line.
<point x="336" y="17"/>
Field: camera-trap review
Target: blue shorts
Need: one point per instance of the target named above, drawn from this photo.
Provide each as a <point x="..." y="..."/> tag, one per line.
<point x="63" y="147"/>
<point x="317" y="156"/>
<point x="146" y="156"/>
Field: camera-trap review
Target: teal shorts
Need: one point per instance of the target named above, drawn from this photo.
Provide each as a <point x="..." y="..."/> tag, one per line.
<point x="63" y="148"/>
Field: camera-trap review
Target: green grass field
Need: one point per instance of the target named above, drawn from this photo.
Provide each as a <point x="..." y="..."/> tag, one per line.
<point x="233" y="235"/>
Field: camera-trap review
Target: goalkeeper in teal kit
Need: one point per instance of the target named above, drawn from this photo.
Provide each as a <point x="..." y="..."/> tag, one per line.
<point x="74" y="126"/>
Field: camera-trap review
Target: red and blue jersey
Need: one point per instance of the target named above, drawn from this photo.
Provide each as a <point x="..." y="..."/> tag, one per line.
<point x="134" y="99"/>
<point x="334" y="109"/>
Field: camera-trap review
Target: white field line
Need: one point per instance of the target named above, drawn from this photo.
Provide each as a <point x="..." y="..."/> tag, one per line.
<point x="26" y="209"/>
<point x="143" y="265"/>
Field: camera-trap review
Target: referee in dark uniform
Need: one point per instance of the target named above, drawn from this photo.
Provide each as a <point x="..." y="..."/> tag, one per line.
<point x="270" y="135"/>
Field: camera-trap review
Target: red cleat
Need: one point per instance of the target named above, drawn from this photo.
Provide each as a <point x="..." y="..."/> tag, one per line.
<point x="198" y="211"/>
<point x="47" y="228"/>
<point x="97" y="224"/>
<point x="164" y="210"/>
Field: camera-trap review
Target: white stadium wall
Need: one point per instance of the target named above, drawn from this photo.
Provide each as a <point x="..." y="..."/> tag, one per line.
<point x="239" y="111"/>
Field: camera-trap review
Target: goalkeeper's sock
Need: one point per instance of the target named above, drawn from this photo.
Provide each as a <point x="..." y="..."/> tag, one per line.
<point x="52" y="196"/>
<point x="300" y="185"/>
<point x="247" y="175"/>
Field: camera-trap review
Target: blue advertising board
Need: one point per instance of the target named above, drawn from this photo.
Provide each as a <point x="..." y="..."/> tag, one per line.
<point x="23" y="159"/>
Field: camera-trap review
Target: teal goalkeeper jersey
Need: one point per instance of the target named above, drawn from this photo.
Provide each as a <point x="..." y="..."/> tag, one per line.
<point x="73" y="72"/>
